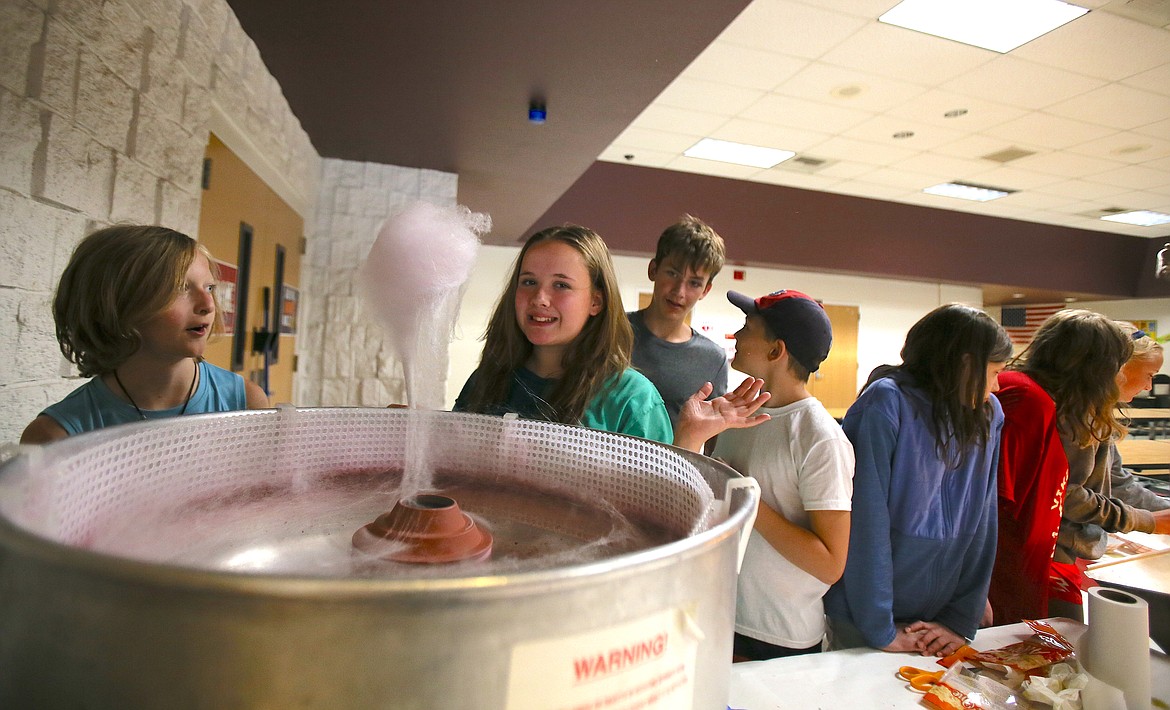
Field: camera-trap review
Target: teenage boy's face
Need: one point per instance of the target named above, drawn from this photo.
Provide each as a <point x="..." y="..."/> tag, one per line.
<point x="752" y="345"/>
<point x="677" y="287"/>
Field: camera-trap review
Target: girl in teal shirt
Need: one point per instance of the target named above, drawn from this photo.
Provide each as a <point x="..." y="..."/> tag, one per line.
<point x="558" y="345"/>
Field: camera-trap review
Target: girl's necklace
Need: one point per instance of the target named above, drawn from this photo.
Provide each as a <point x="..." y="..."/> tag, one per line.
<point x="190" y="391"/>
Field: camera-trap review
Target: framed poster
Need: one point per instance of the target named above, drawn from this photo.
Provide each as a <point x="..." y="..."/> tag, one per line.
<point x="228" y="295"/>
<point x="288" y="310"/>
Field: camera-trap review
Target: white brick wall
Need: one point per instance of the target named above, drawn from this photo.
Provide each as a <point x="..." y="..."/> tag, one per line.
<point x="105" y="108"/>
<point x="346" y="360"/>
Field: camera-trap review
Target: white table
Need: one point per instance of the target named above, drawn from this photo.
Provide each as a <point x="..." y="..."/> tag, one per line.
<point x="865" y="678"/>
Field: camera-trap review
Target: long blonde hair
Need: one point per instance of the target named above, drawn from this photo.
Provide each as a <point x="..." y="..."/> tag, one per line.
<point x="591" y="362"/>
<point x="1075" y="356"/>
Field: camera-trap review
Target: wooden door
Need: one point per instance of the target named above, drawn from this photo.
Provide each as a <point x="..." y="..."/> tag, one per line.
<point x="835" y="383"/>
<point x="239" y="210"/>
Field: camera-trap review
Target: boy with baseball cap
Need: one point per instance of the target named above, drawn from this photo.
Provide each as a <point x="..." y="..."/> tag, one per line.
<point x="804" y="465"/>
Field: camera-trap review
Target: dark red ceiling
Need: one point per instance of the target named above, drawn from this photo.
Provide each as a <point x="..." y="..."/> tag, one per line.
<point x="445" y="84"/>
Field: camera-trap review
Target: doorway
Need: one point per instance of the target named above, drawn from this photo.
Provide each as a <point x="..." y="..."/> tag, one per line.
<point x="257" y="240"/>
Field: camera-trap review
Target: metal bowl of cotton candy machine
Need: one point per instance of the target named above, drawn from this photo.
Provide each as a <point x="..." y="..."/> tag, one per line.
<point x="249" y="560"/>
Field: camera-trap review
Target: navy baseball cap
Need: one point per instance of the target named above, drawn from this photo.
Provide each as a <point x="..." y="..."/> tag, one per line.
<point x="795" y="318"/>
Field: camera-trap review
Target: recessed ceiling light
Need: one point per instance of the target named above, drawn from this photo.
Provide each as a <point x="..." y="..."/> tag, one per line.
<point x="1017" y="295"/>
<point x="1070" y="299"/>
<point x="1142" y="218"/>
<point x="738" y="153"/>
<point x="967" y="191"/>
<point x="998" y="25"/>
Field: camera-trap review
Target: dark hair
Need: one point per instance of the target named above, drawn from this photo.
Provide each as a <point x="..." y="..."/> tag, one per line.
<point x="117" y="279"/>
<point x="599" y="352"/>
<point x="1075" y="356"/>
<point x="946" y="355"/>
<point x="694" y="244"/>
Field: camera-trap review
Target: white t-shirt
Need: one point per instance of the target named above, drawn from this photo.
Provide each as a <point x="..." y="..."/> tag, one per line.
<point x="802" y="461"/>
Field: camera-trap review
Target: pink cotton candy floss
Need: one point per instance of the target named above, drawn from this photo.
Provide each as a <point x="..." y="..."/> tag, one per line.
<point x="412" y="281"/>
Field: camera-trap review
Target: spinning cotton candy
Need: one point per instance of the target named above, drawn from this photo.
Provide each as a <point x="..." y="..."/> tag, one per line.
<point x="412" y="281"/>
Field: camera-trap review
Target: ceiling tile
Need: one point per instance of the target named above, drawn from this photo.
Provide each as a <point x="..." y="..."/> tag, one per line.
<point x="844" y="169"/>
<point x="743" y="66"/>
<point x="977" y="146"/>
<point x="902" y="178"/>
<point x="1012" y="178"/>
<point x="1020" y="83"/>
<point x="778" y="26"/>
<point x="946" y="167"/>
<point x="1139" y="200"/>
<point x="769" y="135"/>
<point x="932" y="107"/>
<point x="712" y="96"/>
<point x="712" y="167"/>
<point x="805" y="181"/>
<point x="903" y="55"/>
<point x="1158" y="129"/>
<point x="1081" y="190"/>
<point x="1065" y="164"/>
<point x="1051" y="96"/>
<point x="669" y="118"/>
<point x="635" y="137"/>
<point x="1043" y="129"/>
<point x="1088" y="45"/>
<point x="789" y="111"/>
<point x="1156" y="80"/>
<point x="643" y="157"/>
<point x="882" y="129"/>
<point x="876" y="154"/>
<point x="1126" y="147"/>
<point x="1134" y="177"/>
<point x="873" y="190"/>
<point x="1115" y="105"/>
<point x="848" y="87"/>
<point x="1032" y="200"/>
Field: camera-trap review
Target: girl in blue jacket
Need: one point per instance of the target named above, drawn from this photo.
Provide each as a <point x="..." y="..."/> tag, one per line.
<point x="922" y="544"/>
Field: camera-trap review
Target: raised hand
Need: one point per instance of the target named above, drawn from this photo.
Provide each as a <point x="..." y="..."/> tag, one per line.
<point x="700" y="419"/>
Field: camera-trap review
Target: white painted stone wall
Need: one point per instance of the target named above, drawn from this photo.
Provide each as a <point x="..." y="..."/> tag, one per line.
<point x="105" y="110"/>
<point x="348" y="360"/>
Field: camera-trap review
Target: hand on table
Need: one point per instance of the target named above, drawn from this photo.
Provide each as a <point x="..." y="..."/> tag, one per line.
<point x="905" y="641"/>
<point x="934" y="639"/>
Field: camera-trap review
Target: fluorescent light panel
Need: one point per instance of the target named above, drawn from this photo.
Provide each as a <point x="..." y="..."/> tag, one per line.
<point x="998" y="25"/>
<point x="1142" y="218"/>
<point x="738" y="153"/>
<point x="967" y="191"/>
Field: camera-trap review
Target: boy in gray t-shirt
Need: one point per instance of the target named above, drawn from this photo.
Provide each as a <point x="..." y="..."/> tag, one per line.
<point x="667" y="350"/>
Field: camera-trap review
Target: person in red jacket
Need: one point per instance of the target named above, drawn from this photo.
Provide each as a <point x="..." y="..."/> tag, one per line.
<point x="1058" y="399"/>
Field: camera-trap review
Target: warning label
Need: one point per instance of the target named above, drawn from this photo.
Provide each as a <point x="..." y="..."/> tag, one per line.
<point x="647" y="663"/>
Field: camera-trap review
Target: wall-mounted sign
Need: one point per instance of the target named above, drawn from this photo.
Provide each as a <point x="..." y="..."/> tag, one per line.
<point x="288" y="310"/>
<point x="228" y="295"/>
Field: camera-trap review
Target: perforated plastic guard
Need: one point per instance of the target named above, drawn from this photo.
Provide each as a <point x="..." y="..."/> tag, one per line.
<point x="73" y="490"/>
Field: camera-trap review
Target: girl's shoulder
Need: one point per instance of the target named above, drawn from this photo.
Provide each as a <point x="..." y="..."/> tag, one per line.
<point x="630" y="382"/>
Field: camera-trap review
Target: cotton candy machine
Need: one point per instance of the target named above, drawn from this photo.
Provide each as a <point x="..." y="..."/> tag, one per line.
<point x="218" y="561"/>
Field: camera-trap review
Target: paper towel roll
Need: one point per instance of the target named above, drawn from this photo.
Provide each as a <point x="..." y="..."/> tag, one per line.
<point x="1115" y="649"/>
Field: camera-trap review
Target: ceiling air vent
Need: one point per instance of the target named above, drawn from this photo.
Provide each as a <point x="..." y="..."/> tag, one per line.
<point x="1008" y="154"/>
<point x="804" y="164"/>
<point x="1103" y="212"/>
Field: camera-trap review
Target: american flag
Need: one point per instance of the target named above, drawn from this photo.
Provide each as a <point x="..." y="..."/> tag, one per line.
<point x="1021" y="322"/>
